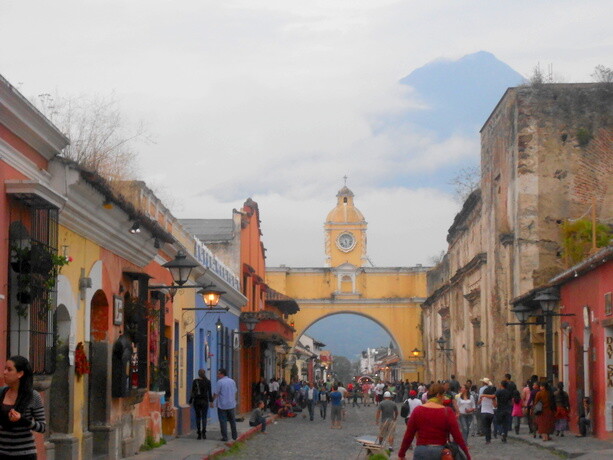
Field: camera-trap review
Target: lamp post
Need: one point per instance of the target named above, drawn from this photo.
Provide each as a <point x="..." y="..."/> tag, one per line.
<point x="180" y="268"/>
<point x="548" y="300"/>
<point x="415" y="353"/>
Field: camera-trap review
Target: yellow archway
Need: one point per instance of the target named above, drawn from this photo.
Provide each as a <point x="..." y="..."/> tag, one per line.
<point x="300" y="332"/>
<point x="391" y="297"/>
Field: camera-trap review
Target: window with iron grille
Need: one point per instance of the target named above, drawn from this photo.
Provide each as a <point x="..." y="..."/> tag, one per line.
<point x="33" y="235"/>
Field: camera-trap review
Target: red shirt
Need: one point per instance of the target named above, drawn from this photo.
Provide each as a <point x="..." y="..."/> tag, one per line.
<point x="432" y="426"/>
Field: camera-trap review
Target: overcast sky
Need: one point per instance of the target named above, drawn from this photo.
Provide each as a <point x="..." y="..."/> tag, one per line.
<point x="277" y="99"/>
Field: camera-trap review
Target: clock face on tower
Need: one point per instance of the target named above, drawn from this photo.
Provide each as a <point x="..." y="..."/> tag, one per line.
<point x="345" y="242"/>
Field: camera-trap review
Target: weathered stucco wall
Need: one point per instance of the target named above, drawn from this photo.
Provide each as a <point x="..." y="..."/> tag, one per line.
<point x="546" y="155"/>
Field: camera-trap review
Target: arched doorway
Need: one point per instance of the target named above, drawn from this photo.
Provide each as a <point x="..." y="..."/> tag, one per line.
<point x="99" y="410"/>
<point x="62" y="385"/>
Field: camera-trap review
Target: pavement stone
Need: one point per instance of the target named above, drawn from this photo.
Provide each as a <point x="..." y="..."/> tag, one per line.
<point x="569" y="446"/>
<point x="304" y="439"/>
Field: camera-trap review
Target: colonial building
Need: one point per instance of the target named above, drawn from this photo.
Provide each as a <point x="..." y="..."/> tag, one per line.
<point x="585" y="340"/>
<point x="263" y="328"/>
<point x="545" y="160"/>
<point x="390" y="296"/>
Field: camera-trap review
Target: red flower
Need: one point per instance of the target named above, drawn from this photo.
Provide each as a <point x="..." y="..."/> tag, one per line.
<point x="80" y="361"/>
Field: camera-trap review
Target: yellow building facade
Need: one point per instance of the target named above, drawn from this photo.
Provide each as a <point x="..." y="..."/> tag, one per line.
<point x="389" y="296"/>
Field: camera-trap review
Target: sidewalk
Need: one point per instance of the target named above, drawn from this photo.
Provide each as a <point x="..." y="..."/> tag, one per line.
<point x="189" y="448"/>
<point x="569" y="446"/>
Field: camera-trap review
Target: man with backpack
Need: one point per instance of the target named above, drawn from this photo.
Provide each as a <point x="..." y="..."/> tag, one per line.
<point x="411" y="403"/>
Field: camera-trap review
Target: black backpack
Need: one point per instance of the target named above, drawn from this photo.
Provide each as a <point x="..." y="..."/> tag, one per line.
<point x="405" y="410"/>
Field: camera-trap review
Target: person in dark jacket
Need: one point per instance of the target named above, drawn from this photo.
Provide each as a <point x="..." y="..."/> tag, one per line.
<point x="200" y="399"/>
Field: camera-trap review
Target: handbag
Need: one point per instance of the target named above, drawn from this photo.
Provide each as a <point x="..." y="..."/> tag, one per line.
<point x="451" y="450"/>
<point x="538" y="408"/>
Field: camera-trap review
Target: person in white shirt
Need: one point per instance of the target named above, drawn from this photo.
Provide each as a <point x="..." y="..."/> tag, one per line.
<point x="466" y="407"/>
<point x="413" y="401"/>
<point x="487" y="401"/>
<point x="379" y="392"/>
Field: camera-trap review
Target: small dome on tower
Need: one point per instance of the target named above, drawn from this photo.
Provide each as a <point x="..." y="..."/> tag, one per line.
<point x="345" y="211"/>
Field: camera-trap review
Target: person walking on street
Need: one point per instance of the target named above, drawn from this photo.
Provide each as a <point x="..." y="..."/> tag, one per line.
<point x="200" y="398"/>
<point x="562" y="410"/>
<point x="454" y="385"/>
<point x="386" y="415"/>
<point x="257" y="416"/>
<point x="504" y="408"/>
<point x="21" y="411"/>
<point x="487" y="401"/>
<point x="336" y="407"/>
<point x="225" y="396"/>
<point x="312" y="396"/>
<point x="413" y="401"/>
<point x="466" y="406"/>
<point x="544" y="409"/>
<point x="518" y="411"/>
<point x="324" y="396"/>
<point x="432" y="423"/>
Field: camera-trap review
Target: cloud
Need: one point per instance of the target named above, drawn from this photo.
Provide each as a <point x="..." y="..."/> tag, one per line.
<point x="278" y="99"/>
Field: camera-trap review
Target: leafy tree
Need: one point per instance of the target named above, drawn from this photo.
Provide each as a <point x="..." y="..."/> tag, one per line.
<point x="577" y="239"/>
<point x="343" y="369"/>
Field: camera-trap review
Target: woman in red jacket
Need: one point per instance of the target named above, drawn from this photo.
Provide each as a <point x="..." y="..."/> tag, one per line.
<point x="432" y="423"/>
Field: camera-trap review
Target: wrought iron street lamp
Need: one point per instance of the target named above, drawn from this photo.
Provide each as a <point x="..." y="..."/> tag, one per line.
<point x="180" y="269"/>
<point x="415" y="352"/>
<point x="210" y="296"/>
<point x="523" y="313"/>
<point x="250" y="322"/>
<point x="546" y="299"/>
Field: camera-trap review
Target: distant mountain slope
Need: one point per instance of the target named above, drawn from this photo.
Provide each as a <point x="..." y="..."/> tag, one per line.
<point x="460" y="94"/>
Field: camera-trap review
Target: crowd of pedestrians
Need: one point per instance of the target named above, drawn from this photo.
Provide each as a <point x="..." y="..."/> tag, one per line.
<point x="433" y="412"/>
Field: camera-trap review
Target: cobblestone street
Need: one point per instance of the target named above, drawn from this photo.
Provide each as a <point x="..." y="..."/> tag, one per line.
<point x="300" y="438"/>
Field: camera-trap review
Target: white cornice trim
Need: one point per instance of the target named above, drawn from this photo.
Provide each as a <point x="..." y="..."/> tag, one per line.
<point x="23" y="119"/>
<point x="21" y="163"/>
<point x="35" y="188"/>
<point x="109" y="229"/>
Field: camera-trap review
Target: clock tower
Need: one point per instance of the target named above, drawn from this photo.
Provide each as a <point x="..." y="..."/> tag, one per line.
<point x="345" y="232"/>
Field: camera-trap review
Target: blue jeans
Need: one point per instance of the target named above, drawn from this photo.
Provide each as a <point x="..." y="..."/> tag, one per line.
<point x="259" y="421"/>
<point x="503" y="420"/>
<point x="427" y="453"/>
<point x="227" y="415"/>
<point x="311" y="407"/>
<point x="465" y="421"/>
<point x="323" y="406"/>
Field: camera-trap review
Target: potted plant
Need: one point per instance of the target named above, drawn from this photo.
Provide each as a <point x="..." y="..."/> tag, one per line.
<point x="20" y="258"/>
<point x="41" y="259"/>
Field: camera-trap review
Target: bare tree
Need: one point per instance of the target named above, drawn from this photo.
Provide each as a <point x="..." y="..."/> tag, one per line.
<point x="438" y="258"/>
<point x="603" y="74"/>
<point x="100" y="137"/>
<point x="465" y="182"/>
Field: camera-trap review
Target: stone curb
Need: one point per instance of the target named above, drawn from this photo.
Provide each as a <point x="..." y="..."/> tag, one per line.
<point x="551" y="448"/>
<point x="566" y="451"/>
<point x="242" y="437"/>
